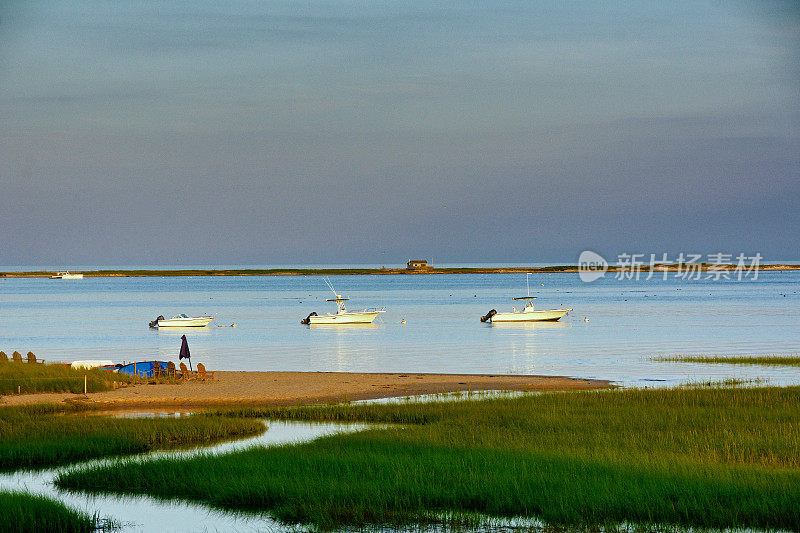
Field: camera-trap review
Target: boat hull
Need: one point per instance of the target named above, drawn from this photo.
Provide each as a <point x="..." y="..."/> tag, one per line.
<point x="531" y="316"/>
<point x="345" y="318"/>
<point x="190" y="322"/>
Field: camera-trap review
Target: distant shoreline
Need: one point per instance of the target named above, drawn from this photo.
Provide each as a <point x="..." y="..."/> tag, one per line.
<point x="561" y="269"/>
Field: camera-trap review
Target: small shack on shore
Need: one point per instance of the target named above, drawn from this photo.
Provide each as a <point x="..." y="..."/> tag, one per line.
<point x="417" y="264"/>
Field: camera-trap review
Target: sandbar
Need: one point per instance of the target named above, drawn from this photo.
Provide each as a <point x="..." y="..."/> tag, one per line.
<point x="231" y="388"/>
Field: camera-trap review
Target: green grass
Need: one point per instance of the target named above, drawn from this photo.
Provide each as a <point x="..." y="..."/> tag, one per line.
<point x="770" y="360"/>
<point x="32" y="437"/>
<point x="701" y="458"/>
<point x="726" y="383"/>
<point x="28" y="378"/>
<point x="24" y="513"/>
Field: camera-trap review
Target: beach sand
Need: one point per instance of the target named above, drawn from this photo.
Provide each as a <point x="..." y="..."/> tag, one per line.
<point x="291" y="388"/>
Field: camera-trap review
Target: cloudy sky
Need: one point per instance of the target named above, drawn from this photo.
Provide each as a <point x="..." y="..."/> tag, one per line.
<point x="273" y="132"/>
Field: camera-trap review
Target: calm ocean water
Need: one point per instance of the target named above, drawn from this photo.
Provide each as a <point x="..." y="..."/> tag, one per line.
<point x="629" y="323"/>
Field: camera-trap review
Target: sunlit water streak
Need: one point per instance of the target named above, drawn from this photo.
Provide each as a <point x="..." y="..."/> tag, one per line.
<point x="629" y="323"/>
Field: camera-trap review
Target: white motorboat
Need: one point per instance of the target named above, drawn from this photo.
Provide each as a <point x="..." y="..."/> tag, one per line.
<point x="343" y="316"/>
<point x="182" y="321"/>
<point x="66" y="275"/>
<point x="528" y="313"/>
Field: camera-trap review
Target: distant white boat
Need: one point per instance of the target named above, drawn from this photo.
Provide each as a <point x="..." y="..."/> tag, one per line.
<point x="66" y="275"/>
<point x="343" y="316"/>
<point x="528" y="313"/>
<point x="182" y="321"/>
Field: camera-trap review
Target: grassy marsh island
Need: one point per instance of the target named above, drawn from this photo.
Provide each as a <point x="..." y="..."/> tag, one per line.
<point x="293" y="272"/>
<point x="49" y="435"/>
<point x="687" y="457"/>
<point x="370" y="271"/>
<point x="767" y="360"/>
<point x="24" y="513"/>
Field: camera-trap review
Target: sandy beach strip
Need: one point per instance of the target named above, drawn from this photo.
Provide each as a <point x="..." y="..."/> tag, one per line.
<point x="292" y="388"/>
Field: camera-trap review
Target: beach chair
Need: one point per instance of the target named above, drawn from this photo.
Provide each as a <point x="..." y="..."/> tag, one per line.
<point x="3" y="357"/>
<point x="202" y="374"/>
<point x="32" y="358"/>
<point x="171" y="370"/>
<point x="157" y="369"/>
<point x="186" y="374"/>
<point x="16" y="356"/>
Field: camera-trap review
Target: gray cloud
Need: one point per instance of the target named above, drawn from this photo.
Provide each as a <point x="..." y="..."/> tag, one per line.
<point x="373" y="132"/>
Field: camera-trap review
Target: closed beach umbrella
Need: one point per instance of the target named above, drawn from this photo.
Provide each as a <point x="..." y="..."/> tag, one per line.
<point x="185" y="351"/>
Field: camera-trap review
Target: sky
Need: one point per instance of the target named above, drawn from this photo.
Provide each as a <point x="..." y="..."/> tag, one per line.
<point x="181" y="132"/>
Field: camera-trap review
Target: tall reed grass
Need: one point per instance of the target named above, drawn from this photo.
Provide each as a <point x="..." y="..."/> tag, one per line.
<point x="684" y="457"/>
<point x="24" y="378"/>
<point x="43" y="435"/>
<point x="768" y="360"/>
<point x="24" y="513"/>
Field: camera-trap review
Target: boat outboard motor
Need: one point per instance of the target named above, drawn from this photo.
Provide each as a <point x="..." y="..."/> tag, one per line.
<point x="154" y="323"/>
<point x="489" y="315"/>
<point x="307" y="320"/>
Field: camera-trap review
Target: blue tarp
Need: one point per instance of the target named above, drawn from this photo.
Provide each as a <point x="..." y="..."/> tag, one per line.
<point x="142" y="368"/>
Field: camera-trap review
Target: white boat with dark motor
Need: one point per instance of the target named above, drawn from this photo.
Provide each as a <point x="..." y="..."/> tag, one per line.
<point x="66" y="275"/>
<point x="181" y="321"/>
<point x="343" y="316"/>
<point x="528" y="313"/>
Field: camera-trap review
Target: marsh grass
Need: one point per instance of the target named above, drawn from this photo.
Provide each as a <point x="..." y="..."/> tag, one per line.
<point x="727" y="383"/>
<point x="699" y="458"/>
<point x="29" y="378"/>
<point x="38" y="436"/>
<point x="768" y="360"/>
<point x="24" y="513"/>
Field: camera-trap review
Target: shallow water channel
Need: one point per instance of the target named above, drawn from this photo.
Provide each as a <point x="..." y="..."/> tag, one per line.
<point x="142" y="513"/>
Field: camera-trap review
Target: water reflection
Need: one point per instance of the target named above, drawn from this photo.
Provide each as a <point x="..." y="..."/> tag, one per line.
<point x="137" y="413"/>
<point x="346" y="346"/>
<point x="344" y="327"/>
<point x="177" y="332"/>
<point x="529" y="344"/>
<point x="529" y="325"/>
